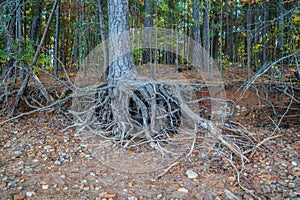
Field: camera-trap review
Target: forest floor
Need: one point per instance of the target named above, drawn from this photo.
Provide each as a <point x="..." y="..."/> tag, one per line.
<point x="41" y="160"/>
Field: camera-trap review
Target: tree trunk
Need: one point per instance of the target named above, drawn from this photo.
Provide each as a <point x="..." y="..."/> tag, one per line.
<point x="265" y="40"/>
<point x="56" y="39"/>
<point x="102" y="33"/>
<point x="229" y="31"/>
<point x="10" y="37"/>
<point x="196" y="18"/>
<point x="280" y="15"/>
<point x="206" y="39"/>
<point x="120" y="57"/>
<point x="249" y="35"/>
<point x="148" y="23"/>
<point x="36" y="21"/>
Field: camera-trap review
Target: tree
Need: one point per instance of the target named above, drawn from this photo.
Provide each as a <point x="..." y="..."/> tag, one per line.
<point x="196" y="18"/>
<point x="229" y="30"/>
<point x="36" y="21"/>
<point x="119" y="64"/>
<point x="148" y="23"/>
<point x="265" y="39"/>
<point x="56" y="38"/>
<point x="249" y="38"/>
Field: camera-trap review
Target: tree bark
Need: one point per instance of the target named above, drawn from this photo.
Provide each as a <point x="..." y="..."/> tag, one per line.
<point x="265" y="40"/>
<point x="120" y="57"/>
<point x="148" y="23"/>
<point x="206" y="38"/>
<point x="249" y="35"/>
<point x="229" y="31"/>
<point x="102" y="33"/>
<point x="10" y="36"/>
<point x="36" y="21"/>
<point x="196" y="18"/>
<point x="56" y="39"/>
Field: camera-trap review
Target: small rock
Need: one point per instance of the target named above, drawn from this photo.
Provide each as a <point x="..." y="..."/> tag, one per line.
<point x="291" y="185"/>
<point x="86" y="188"/>
<point x="191" y="174"/>
<point x="13" y="183"/>
<point x="19" y="196"/>
<point x="30" y="193"/>
<point x="183" y="190"/>
<point x="47" y="147"/>
<point x="290" y="177"/>
<point x="19" y="188"/>
<point x="159" y="196"/>
<point x="294" y="163"/>
<point x="45" y="187"/>
<point x="57" y="162"/>
<point x="92" y="174"/>
<point x="132" y="198"/>
<point x="97" y="187"/>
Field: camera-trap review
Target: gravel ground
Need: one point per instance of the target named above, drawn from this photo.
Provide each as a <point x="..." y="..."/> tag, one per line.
<point x="38" y="161"/>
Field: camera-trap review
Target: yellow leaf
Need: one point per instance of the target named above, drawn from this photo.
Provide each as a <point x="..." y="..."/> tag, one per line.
<point x="266" y="176"/>
<point x="109" y="195"/>
<point x="175" y="185"/>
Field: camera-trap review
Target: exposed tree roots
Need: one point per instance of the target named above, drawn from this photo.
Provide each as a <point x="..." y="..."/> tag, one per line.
<point x="140" y="112"/>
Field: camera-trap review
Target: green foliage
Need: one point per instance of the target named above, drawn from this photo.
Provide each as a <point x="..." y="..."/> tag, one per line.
<point x="25" y="55"/>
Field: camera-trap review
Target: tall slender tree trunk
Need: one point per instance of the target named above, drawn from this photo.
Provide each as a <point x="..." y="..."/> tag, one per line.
<point x="36" y="21"/>
<point x="56" y="39"/>
<point x="280" y="15"/>
<point x="196" y="18"/>
<point x="256" y="20"/>
<point x="120" y="57"/>
<point x="229" y="31"/>
<point x="148" y="22"/>
<point x="103" y="38"/>
<point x="170" y="55"/>
<point x="265" y="40"/>
<point x="249" y="35"/>
<point x="10" y="36"/>
<point x="206" y="38"/>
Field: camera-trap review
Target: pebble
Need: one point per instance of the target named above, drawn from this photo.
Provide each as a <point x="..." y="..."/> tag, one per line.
<point x="47" y="147"/>
<point x="191" y="174"/>
<point x="291" y="185"/>
<point x="92" y="174"/>
<point x="183" y="190"/>
<point x="45" y="187"/>
<point x="19" y="196"/>
<point x="30" y="193"/>
<point x="294" y="163"/>
<point x="86" y="188"/>
<point x="132" y="198"/>
<point x="57" y="162"/>
<point x="13" y="183"/>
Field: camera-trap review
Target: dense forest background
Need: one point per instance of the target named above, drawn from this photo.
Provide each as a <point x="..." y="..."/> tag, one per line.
<point x="237" y="33"/>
